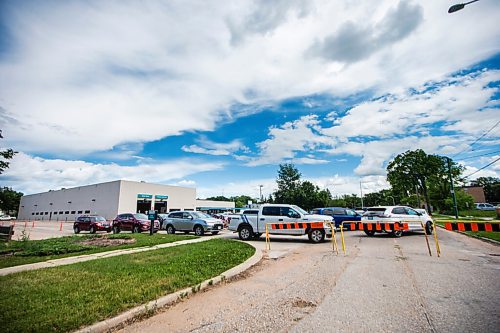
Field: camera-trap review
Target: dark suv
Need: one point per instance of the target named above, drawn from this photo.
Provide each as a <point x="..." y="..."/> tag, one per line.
<point x="133" y="222"/>
<point x="339" y="214"/>
<point x="92" y="223"/>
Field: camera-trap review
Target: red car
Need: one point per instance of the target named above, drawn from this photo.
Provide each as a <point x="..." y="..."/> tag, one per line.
<point x="92" y="223"/>
<point x="133" y="222"/>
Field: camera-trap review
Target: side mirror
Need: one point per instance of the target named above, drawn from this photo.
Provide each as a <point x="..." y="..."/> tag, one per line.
<point x="190" y="217"/>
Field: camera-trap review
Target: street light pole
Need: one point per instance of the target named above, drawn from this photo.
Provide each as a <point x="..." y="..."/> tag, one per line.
<point x="260" y="189"/>
<point x="452" y="189"/>
<point x="361" y="190"/>
<point x="459" y="6"/>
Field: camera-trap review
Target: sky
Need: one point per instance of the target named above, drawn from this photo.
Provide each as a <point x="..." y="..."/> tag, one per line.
<point x="212" y="96"/>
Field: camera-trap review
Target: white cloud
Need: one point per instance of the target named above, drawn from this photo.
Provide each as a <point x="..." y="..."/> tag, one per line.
<point x="81" y="77"/>
<point x="30" y="174"/>
<point x="292" y="137"/>
<point x="206" y="146"/>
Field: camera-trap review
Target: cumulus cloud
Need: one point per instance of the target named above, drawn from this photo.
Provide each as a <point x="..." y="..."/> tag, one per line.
<point x="120" y="72"/>
<point x="35" y="174"/>
<point x="206" y="146"/>
<point x="292" y="137"/>
<point x="354" y="41"/>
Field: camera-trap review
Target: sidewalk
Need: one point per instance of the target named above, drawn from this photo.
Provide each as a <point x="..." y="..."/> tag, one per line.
<point x="88" y="257"/>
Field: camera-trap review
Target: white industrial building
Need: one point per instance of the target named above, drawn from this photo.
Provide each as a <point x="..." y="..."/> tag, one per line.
<point x="112" y="198"/>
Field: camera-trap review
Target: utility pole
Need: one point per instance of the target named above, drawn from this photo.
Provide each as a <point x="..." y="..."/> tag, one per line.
<point x="452" y="189"/>
<point x="260" y="190"/>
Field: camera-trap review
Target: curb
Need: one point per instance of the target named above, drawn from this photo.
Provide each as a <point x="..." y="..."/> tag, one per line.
<point x="144" y="309"/>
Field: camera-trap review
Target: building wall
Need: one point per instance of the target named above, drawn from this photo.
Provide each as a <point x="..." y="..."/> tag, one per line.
<point x="179" y="198"/>
<point x="99" y="199"/>
<point x="214" y="204"/>
<point x="477" y="192"/>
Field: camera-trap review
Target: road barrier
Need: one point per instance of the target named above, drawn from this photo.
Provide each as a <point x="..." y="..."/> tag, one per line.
<point x="385" y="226"/>
<point x="300" y="225"/>
<point x="471" y="226"/>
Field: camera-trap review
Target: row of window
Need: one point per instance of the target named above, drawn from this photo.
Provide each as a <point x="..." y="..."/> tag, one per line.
<point x="62" y="212"/>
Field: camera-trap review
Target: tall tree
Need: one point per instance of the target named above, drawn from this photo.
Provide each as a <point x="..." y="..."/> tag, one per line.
<point x="5" y="155"/>
<point x="288" y="184"/>
<point x="414" y="168"/>
<point x="9" y="200"/>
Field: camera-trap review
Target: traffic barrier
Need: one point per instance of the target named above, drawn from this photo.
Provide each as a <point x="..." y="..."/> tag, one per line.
<point x="384" y="226"/>
<point x="300" y="225"/>
<point x="472" y="226"/>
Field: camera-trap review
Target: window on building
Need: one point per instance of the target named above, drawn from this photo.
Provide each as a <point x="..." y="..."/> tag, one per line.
<point x="87" y="212"/>
<point x="174" y="209"/>
<point x="66" y="212"/>
<point x="37" y="213"/>
<point x="80" y="211"/>
<point x="73" y="212"/>
<point x="55" y="213"/>
<point x="33" y="213"/>
<point x="60" y="213"/>
<point x="46" y="213"/>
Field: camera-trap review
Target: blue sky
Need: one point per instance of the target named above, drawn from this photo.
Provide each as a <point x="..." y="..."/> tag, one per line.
<point x="215" y="97"/>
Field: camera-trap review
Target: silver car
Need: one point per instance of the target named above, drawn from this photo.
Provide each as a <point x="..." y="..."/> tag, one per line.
<point x="188" y="221"/>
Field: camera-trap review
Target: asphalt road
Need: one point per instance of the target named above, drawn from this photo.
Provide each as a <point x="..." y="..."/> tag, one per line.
<point x="384" y="284"/>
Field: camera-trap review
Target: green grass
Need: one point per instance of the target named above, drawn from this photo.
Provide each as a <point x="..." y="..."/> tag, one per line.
<point x="469" y="214"/>
<point x="68" y="297"/>
<point x="30" y="251"/>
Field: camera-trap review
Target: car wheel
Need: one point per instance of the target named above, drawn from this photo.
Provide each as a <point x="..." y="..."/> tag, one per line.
<point x="429" y="228"/>
<point x="245" y="233"/>
<point x="198" y="230"/>
<point x="316" y="235"/>
<point x="136" y="229"/>
<point x="397" y="233"/>
<point x="92" y="230"/>
<point x="76" y="229"/>
<point x="116" y="229"/>
<point x="170" y="229"/>
<point x="370" y="232"/>
<point x="215" y="232"/>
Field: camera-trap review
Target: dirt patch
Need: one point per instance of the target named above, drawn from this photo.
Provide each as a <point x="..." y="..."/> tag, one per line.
<point x="104" y="241"/>
<point x="300" y="303"/>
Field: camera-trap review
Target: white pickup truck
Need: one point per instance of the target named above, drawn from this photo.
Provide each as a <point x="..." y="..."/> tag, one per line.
<point x="292" y="219"/>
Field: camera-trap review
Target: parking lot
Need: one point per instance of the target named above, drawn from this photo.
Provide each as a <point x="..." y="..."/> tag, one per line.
<point x="382" y="284"/>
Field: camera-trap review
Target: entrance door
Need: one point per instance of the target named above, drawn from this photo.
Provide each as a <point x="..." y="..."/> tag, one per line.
<point x="161" y="207"/>
<point x="143" y="206"/>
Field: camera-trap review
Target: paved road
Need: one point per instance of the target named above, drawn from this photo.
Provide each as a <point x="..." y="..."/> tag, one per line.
<point x="384" y="284"/>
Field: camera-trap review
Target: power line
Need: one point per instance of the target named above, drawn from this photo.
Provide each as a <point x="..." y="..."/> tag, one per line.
<point x="487" y="165"/>
<point x="482" y="136"/>
<point x="468" y="158"/>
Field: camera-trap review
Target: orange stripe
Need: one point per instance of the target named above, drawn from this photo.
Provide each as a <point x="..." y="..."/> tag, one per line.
<point x="369" y="226"/>
<point x="448" y="226"/>
<point x="387" y="226"/>
<point x="396" y="226"/>
<point x="378" y="227"/>
<point x="296" y="225"/>
<point x="473" y="227"/>
<point x="488" y="227"/>
<point x="405" y="226"/>
<point x="273" y="226"/>
<point x="288" y="226"/>
<point x="461" y="227"/>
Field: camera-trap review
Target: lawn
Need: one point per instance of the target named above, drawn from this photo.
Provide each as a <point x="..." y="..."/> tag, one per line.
<point x="469" y="214"/>
<point x="66" y="298"/>
<point x="29" y="251"/>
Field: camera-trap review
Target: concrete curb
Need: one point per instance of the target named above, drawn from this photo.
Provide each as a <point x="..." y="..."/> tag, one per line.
<point x="100" y="255"/>
<point x="129" y="315"/>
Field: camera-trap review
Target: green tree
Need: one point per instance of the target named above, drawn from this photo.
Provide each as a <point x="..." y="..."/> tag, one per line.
<point x="288" y="184"/>
<point x="491" y="188"/>
<point x="219" y="198"/>
<point x="9" y="200"/>
<point x="417" y="169"/>
<point x="5" y="155"/>
<point x="242" y="200"/>
<point x="464" y="202"/>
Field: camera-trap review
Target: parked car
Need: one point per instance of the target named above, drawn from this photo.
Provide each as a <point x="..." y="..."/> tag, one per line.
<point x="92" y="223"/>
<point x="133" y="222"/>
<point x="485" y="206"/>
<point x="188" y="221"/>
<point x="253" y="225"/>
<point x="396" y="214"/>
<point x="339" y="214"/>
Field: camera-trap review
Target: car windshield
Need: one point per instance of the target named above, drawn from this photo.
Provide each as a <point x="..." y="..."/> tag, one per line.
<point x="100" y="219"/>
<point x="141" y="216"/>
<point x="200" y="215"/>
<point x="300" y="210"/>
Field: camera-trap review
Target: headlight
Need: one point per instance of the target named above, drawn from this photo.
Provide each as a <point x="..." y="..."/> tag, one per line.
<point x="326" y="225"/>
